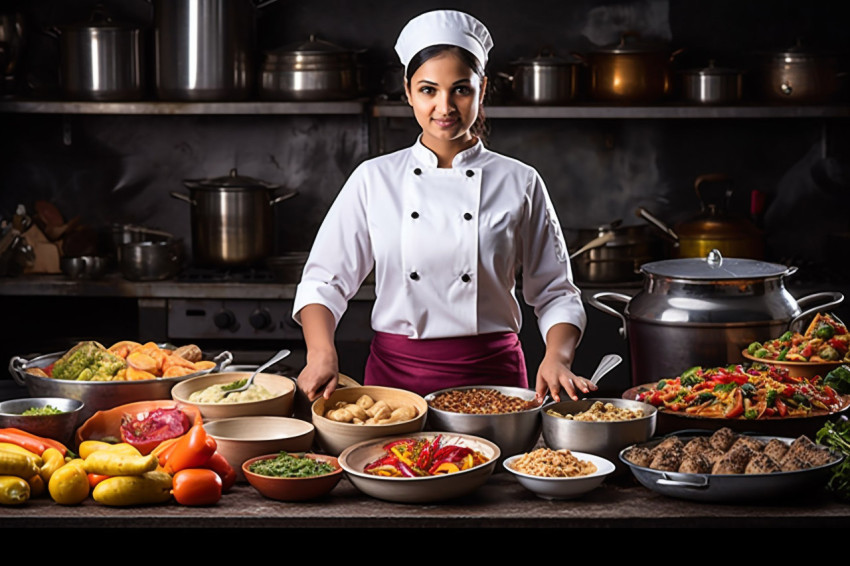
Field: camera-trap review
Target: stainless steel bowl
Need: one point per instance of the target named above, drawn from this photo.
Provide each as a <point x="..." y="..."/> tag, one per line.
<point x="84" y="267"/>
<point x="603" y="438"/>
<point x="59" y="427"/>
<point x="513" y="433"/>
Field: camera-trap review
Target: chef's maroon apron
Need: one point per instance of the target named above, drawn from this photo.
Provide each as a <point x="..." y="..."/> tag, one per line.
<point x="425" y="366"/>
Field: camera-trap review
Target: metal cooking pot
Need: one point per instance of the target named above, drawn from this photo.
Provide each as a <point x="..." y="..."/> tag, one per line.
<point x="544" y="79"/>
<point x="101" y="60"/>
<point x="205" y="48"/>
<point x="613" y="253"/>
<point x="712" y="84"/>
<point x="232" y="219"/>
<point x="311" y="70"/>
<point x="634" y="70"/>
<point x="801" y="75"/>
<point x="704" y="311"/>
<point x="714" y="227"/>
<point x="152" y="260"/>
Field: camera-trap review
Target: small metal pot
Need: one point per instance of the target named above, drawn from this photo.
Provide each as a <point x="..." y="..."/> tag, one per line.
<point x="152" y="260"/>
<point x="544" y="79"/>
<point x="101" y="60"/>
<point x="232" y="219"/>
<point x="633" y="71"/>
<point x="613" y="254"/>
<point x="801" y="75"/>
<point x="312" y="70"/>
<point x="711" y="85"/>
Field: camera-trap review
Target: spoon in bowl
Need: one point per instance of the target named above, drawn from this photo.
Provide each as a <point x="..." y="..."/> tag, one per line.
<point x="606" y="364"/>
<point x="276" y="358"/>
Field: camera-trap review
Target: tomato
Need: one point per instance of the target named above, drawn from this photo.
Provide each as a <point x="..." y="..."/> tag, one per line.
<point x="225" y="471"/>
<point x="196" y="486"/>
<point x="95" y="479"/>
<point x="146" y="431"/>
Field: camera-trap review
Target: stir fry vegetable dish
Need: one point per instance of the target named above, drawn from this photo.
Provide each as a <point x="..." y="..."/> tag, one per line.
<point x="736" y="392"/>
<point x="419" y="457"/>
<point x="825" y="340"/>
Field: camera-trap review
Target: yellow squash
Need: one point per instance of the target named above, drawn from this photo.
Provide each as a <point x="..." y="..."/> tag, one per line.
<point x="13" y="490"/>
<point x="69" y="485"/>
<point x="122" y="491"/>
<point x="113" y="463"/>
<point x="17" y="464"/>
<point x="52" y="461"/>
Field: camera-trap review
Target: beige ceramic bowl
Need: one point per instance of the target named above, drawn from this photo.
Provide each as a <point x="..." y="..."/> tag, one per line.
<point x="281" y="405"/>
<point x="333" y="437"/>
<point x="241" y="438"/>
<point x="426" y="489"/>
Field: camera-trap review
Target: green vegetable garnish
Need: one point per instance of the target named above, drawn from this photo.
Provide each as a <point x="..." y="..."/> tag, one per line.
<point x="751" y="414"/>
<point x="724" y="387"/>
<point x="46" y="410"/>
<point x="234" y="385"/>
<point x="836" y="435"/>
<point x="839" y="379"/>
<point x="285" y="465"/>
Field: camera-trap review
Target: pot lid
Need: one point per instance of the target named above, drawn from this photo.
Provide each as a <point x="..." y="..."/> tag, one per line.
<point x="799" y="52"/>
<point x="714" y="267"/>
<point x="712" y="70"/>
<point x="313" y="46"/>
<point x="313" y="53"/>
<point x="633" y="43"/>
<point x="231" y="181"/>
<point x="546" y="58"/>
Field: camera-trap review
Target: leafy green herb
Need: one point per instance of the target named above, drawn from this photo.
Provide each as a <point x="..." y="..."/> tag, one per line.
<point x="234" y="385"/>
<point x="839" y="379"/>
<point x="705" y="396"/>
<point x="46" y="410"/>
<point x="724" y="387"/>
<point x="836" y="435"/>
<point x="770" y="401"/>
<point x="285" y="465"/>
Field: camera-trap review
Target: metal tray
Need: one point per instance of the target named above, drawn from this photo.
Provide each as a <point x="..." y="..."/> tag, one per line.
<point x="732" y="488"/>
<point x="100" y="395"/>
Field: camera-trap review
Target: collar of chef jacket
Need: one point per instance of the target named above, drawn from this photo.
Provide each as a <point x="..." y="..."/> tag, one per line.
<point x="439" y="242"/>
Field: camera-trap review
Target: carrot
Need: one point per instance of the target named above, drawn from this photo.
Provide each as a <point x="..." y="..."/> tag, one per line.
<point x="49" y="442"/>
<point x="36" y="446"/>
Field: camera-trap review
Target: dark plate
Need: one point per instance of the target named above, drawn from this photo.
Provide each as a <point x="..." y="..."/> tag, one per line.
<point x="669" y="421"/>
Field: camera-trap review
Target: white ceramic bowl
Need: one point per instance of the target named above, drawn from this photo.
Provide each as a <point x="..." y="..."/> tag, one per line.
<point x="563" y="488"/>
<point x="242" y="438"/>
<point x="281" y="405"/>
<point x="427" y="489"/>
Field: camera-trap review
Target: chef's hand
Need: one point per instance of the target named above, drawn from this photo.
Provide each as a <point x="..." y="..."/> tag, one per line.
<point x="320" y="376"/>
<point x="554" y="375"/>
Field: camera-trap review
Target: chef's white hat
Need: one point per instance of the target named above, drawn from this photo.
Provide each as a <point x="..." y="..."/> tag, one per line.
<point x="443" y="27"/>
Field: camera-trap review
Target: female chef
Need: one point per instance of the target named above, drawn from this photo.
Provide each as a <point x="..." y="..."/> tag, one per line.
<point x="447" y="224"/>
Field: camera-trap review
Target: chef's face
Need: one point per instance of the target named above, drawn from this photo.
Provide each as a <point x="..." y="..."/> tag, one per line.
<point x="445" y="94"/>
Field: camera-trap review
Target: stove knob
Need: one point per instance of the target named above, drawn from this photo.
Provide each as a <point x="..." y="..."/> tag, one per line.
<point x="260" y="319"/>
<point x="224" y="319"/>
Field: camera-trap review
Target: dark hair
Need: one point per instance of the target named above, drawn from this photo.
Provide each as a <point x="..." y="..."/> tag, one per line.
<point x="479" y="128"/>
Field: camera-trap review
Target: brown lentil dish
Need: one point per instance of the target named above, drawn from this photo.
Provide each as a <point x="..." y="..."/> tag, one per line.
<point x="480" y="402"/>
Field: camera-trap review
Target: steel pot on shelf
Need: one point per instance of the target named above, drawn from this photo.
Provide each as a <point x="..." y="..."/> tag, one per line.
<point x="711" y="84"/>
<point x="705" y="311"/>
<point x="544" y="79"/>
<point x="232" y="219"/>
<point x="612" y="254"/>
<point x="801" y="75"/>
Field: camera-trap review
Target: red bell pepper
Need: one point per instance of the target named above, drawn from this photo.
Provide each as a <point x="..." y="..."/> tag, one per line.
<point x="781" y="407"/>
<point x="193" y="450"/>
<point x="737" y="408"/>
<point x="839" y="345"/>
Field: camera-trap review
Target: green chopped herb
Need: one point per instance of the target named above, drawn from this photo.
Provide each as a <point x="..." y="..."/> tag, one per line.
<point x="46" y="410"/>
<point x="285" y="465"/>
<point x="234" y="385"/>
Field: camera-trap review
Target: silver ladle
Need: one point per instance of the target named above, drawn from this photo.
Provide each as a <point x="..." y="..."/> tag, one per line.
<point x="276" y="358"/>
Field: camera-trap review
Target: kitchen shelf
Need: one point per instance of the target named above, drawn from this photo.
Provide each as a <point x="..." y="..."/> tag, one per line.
<point x="401" y="110"/>
<point x="182" y="108"/>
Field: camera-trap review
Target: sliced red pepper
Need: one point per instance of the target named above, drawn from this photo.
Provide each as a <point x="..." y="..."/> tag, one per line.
<point x="737" y="408"/>
<point x="781" y="407"/>
<point x="385" y="461"/>
<point x="839" y="345"/>
<point x="806" y="352"/>
<point x="405" y="470"/>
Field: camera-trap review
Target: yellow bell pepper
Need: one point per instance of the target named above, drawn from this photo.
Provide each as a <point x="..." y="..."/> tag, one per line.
<point x="446" y="468"/>
<point x="52" y="461"/>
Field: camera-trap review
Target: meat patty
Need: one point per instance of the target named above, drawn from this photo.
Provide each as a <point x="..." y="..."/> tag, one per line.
<point x="761" y="463"/>
<point x="776" y="449"/>
<point x="733" y="462"/>
<point x="754" y="444"/>
<point x="723" y="438"/>
<point x="695" y="464"/>
<point x="667" y="460"/>
<point x="639" y="456"/>
<point x="697" y="445"/>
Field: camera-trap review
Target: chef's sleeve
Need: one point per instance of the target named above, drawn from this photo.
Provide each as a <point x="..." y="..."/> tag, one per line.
<point x="547" y="278"/>
<point x="341" y="256"/>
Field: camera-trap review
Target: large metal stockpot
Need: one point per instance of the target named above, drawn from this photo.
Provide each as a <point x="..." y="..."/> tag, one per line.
<point x="801" y="75"/>
<point x="704" y="311"/>
<point x="232" y="219"/>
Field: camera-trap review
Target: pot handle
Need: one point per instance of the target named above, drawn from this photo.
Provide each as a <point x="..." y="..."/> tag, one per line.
<point x="16" y="367"/>
<point x="184" y="198"/>
<point x="667" y="481"/>
<point x="283" y="197"/>
<point x="506" y="76"/>
<point x="641" y="212"/>
<point x="834" y="298"/>
<point x="596" y="301"/>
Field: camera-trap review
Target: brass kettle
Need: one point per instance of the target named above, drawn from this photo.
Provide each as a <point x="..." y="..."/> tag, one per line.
<point x="713" y="228"/>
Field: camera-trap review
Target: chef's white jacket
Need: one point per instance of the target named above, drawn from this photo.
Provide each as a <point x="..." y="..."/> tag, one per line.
<point x="446" y="245"/>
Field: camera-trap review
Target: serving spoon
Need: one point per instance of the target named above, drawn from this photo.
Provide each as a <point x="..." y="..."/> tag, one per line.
<point x="606" y="364"/>
<point x="276" y="358"/>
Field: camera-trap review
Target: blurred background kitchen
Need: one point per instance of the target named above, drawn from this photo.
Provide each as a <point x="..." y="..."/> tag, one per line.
<point x="195" y="146"/>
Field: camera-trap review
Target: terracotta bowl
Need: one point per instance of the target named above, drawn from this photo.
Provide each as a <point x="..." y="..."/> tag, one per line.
<point x="242" y="438"/>
<point x="106" y="425"/>
<point x="281" y="405"/>
<point x="425" y="489"/>
<point x="293" y="489"/>
<point x="333" y="437"/>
